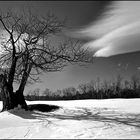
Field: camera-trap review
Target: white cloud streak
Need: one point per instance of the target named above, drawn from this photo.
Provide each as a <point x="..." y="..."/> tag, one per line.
<point x="115" y="31"/>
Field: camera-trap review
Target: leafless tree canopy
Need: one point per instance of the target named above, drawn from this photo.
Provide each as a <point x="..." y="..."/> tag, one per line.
<point x="28" y="48"/>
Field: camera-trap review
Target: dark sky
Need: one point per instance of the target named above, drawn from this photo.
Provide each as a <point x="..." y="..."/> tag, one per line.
<point x="79" y="14"/>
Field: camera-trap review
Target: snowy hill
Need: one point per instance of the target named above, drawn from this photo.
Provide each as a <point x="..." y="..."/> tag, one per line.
<point x="110" y="118"/>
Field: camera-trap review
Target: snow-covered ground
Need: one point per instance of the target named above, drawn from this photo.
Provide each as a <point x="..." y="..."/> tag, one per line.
<point x="103" y="119"/>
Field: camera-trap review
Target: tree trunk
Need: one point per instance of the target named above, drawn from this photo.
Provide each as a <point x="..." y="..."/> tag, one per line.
<point x="19" y="97"/>
<point x="6" y="94"/>
<point x="9" y="98"/>
<point x="20" y="100"/>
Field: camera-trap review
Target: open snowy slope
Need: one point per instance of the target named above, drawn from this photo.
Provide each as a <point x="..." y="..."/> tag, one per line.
<point x="111" y="118"/>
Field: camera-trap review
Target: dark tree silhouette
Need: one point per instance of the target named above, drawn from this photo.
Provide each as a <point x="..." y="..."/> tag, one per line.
<point x="28" y="49"/>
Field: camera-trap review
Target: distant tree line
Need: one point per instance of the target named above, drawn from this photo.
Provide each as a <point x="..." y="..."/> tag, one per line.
<point x="95" y="89"/>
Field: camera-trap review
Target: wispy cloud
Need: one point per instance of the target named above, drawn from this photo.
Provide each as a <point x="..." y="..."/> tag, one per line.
<point x="116" y="32"/>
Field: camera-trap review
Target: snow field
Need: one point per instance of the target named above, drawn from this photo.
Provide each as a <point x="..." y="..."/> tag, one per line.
<point x="92" y="119"/>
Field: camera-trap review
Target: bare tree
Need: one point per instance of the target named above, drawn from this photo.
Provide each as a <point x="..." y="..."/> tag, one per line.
<point x="127" y="84"/>
<point x="83" y="88"/>
<point x="118" y="82"/>
<point x="70" y="91"/>
<point x="36" y="92"/>
<point x="28" y="49"/>
<point x="47" y="92"/>
<point x="135" y="81"/>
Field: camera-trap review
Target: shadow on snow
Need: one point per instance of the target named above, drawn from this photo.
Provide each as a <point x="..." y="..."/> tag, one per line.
<point x="43" y="112"/>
